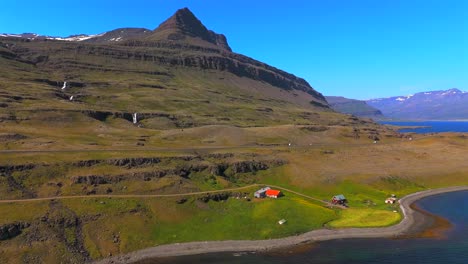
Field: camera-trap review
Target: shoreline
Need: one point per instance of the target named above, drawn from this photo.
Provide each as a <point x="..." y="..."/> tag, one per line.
<point x="193" y="248"/>
<point x="429" y="226"/>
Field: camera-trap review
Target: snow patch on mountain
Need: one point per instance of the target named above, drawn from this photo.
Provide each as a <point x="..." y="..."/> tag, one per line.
<point x="430" y="105"/>
<point x="33" y="36"/>
<point x="116" y="39"/>
<point x="81" y="37"/>
<point x="10" y="35"/>
<point x="24" y="35"/>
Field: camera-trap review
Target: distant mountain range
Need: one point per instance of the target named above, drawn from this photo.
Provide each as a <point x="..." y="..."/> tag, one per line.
<point x="34" y="36"/>
<point x="116" y="35"/>
<point x="432" y="105"/>
<point x="354" y="107"/>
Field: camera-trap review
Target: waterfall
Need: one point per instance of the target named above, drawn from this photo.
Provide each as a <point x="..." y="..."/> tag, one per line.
<point x="135" y="118"/>
<point x="64" y="85"/>
<point x="71" y="98"/>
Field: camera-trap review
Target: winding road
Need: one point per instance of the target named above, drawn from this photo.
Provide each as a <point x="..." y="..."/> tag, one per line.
<point x="129" y="196"/>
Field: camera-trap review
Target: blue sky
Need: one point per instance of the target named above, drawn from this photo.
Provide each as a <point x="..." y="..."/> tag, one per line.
<point x="353" y="48"/>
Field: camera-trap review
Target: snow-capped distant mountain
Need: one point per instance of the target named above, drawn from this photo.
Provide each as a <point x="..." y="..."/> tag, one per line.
<point x="432" y="105"/>
<point x="24" y="36"/>
<point x="116" y="35"/>
<point x="33" y="36"/>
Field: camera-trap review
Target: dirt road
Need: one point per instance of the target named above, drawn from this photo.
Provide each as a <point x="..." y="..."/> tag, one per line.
<point x="130" y="196"/>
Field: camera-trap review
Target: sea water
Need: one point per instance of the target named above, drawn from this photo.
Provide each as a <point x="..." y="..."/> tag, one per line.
<point x="432" y="126"/>
<point x="450" y="250"/>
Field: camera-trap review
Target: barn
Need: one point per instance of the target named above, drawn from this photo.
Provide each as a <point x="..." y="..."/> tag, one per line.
<point x="261" y="193"/>
<point x="273" y="193"/>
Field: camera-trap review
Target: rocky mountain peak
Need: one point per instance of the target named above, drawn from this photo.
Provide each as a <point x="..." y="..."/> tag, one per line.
<point x="185" y="22"/>
<point x="184" y="25"/>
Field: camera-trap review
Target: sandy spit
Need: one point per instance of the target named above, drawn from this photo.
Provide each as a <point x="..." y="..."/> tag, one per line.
<point x="193" y="248"/>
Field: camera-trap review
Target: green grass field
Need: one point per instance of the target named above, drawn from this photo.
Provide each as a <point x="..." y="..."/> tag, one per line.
<point x="365" y="218"/>
<point x="147" y="222"/>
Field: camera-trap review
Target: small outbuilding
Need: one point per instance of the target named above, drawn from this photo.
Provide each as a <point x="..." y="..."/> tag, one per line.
<point x="273" y="193"/>
<point x="339" y="199"/>
<point x="261" y="193"/>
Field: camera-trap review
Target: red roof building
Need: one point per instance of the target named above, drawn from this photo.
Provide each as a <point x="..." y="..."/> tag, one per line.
<point x="273" y="193"/>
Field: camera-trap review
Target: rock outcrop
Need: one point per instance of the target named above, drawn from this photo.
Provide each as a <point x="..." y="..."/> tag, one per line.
<point x="12" y="230"/>
<point x="217" y="169"/>
<point x="11" y="136"/>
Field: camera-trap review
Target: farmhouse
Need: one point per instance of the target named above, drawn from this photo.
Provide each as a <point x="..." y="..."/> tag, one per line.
<point x="339" y="199"/>
<point x="267" y="192"/>
<point x="261" y="193"/>
<point x="273" y="193"/>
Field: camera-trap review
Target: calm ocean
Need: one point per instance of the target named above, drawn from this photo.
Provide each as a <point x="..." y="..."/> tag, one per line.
<point x="453" y="250"/>
<point x="432" y="126"/>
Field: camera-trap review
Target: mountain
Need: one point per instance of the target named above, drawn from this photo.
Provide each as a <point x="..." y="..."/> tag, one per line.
<point x="179" y="75"/>
<point x="354" y="107"/>
<point x="432" y="105"/>
<point x="120" y="34"/>
<point x="183" y="26"/>
<point x="34" y="36"/>
<point x="137" y="112"/>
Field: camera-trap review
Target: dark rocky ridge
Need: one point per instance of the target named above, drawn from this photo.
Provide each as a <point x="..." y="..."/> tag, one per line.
<point x="207" y="59"/>
<point x="11" y="137"/>
<point x="12" y="230"/>
<point x="8" y="169"/>
<point x="226" y="165"/>
<point x="217" y="169"/>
